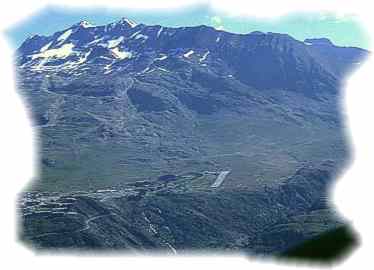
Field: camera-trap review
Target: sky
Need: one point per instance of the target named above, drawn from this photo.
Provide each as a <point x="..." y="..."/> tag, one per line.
<point x="341" y="30"/>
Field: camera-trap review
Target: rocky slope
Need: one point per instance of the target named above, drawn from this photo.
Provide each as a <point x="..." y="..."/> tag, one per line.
<point x="182" y="138"/>
<point x="124" y="102"/>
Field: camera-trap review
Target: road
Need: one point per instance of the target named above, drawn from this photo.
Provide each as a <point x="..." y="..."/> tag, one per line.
<point x="86" y="227"/>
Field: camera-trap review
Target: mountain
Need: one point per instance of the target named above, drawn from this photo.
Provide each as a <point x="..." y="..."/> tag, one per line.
<point x="338" y="60"/>
<point x="182" y="138"/>
<point x="124" y="44"/>
<point x="124" y="102"/>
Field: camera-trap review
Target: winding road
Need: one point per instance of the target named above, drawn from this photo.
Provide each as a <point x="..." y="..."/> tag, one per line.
<point x="86" y="227"/>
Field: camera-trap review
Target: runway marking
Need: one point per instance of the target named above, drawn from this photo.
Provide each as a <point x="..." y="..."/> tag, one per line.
<point x="220" y="178"/>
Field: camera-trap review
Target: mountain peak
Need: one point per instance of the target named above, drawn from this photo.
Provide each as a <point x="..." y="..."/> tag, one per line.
<point x="84" y="24"/>
<point x="34" y="36"/>
<point x="125" y="43"/>
<point x="257" y="33"/>
<point x="128" y="22"/>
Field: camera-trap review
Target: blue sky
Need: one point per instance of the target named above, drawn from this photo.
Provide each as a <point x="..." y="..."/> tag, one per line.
<point x="343" y="31"/>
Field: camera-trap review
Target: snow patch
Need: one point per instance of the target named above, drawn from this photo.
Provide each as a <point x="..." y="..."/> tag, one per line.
<point x="83" y="59"/>
<point x="144" y="70"/>
<point x="121" y="54"/>
<point x="94" y="42"/>
<point x="108" y="69"/>
<point x="45" y="47"/>
<point x="134" y="34"/>
<point x="40" y="65"/>
<point x="114" y="42"/>
<point x="65" y="35"/>
<point x="138" y="36"/>
<point x="204" y="56"/>
<point x="159" y="32"/>
<point x="106" y="190"/>
<point x="85" y="24"/>
<point x="188" y="54"/>
<point x="62" y="52"/>
<point x="163" y="57"/>
<point x="131" y="23"/>
<point x="164" y="70"/>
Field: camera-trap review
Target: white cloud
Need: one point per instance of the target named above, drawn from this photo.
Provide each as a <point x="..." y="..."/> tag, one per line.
<point x="216" y="20"/>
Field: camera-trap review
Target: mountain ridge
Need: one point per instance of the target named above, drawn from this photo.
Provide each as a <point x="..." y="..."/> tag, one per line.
<point x="182" y="138"/>
<point x="154" y="97"/>
<point x="120" y="41"/>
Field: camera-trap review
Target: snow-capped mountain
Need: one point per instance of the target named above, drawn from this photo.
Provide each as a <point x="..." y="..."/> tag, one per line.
<point x="80" y="44"/>
<point x="152" y="94"/>
<point x="192" y="137"/>
<point x="126" y="46"/>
